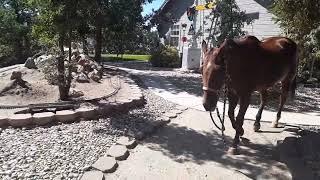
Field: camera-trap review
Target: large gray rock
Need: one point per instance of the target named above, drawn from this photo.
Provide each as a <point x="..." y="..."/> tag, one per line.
<point x="30" y="64"/>
<point x="82" y="78"/>
<point x="94" y="76"/>
<point x="20" y="120"/>
<point x="66" y="116"/>
<point x="43" y="118"/>
<point x="87" y="113"/>
<point x="3" y="121"/>
<point x="44" y="60"/>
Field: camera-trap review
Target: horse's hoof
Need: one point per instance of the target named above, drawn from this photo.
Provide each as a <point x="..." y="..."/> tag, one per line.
<point x="256" y="127"/>
<point x="245" y="141"/>
<point x="274" y="124"/>
<point x="233" y="151"/>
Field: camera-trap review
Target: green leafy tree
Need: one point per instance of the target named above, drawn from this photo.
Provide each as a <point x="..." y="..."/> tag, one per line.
<point x="125" y="28"/>
<point x="15" y="28"/>
<point x="227" y="21"/>
<point x="56" y="24"/>
<point x="300" y="21"/>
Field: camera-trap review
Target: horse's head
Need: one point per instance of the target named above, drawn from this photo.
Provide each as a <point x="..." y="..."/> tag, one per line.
<point x="213" y="73"/>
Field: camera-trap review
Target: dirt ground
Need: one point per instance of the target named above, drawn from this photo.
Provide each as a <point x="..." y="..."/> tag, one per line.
<point x="42" y="92"/>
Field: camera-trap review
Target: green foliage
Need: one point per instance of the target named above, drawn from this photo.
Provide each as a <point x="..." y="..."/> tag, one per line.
<point x="165" y="56"/>
<point x="15" y="29"/>
<point x="227" y="21"/>
<point x="300" y="21"/>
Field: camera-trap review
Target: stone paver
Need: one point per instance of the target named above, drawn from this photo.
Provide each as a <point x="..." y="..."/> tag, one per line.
<point x="3" y="121"/>
<point x="86" y="112"/>
<point x="106" y="164"/>
<point x="93" y="175"/>
<point x="66" y="116"/>
<point x="125" y="141"/>
<point x="20" y="120"/>
<point x="177" y="111"/>
<point x="43" y="118"/>
<point x="165" y="119"/>
<point x="140" y="135"/>
<point x="182" y="108"/>
<point x="119" y="152"/>
<point x="170" y="115"/>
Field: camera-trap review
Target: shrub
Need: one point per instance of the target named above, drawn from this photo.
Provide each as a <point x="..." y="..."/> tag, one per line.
<point x="165" y="56"/>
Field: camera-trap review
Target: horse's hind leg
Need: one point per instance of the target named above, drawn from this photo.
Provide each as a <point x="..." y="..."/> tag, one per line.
<point x="263" y="99"/>
<point x="283" y="97"/>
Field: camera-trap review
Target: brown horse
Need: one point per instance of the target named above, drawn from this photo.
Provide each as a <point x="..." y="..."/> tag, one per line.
<point x="246" y="65"/>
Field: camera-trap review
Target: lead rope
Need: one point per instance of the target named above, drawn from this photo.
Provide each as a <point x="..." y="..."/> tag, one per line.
<point x="222" y="128"/>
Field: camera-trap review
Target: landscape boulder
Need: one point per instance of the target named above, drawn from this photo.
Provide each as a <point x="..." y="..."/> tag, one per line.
<point x="82" y="78"/>
<point x="30" y="64"/>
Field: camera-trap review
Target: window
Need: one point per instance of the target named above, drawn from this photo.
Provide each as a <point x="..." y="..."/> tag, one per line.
<point x="175" y="33"/>
<point x="174" y="41"/>
<point x="175" y="27"/>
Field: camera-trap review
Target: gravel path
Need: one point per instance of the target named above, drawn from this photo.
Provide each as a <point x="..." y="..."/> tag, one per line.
<point x="64" y="151"/>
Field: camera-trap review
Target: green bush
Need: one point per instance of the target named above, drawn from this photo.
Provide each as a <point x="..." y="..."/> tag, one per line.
<point x="165" y="57"/>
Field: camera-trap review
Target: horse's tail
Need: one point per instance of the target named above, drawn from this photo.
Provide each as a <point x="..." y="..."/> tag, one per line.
<point x="293" y="85"/>
<point x="293" y="88"/>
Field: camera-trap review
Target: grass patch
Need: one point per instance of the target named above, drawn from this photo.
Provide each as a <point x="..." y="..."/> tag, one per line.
<point x="126" y="57"/>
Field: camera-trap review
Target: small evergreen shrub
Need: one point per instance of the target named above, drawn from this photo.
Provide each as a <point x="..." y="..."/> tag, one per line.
<point x="165" y="56"/>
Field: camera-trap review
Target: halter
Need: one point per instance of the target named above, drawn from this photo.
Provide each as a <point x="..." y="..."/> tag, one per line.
<point x="209" y="89"/>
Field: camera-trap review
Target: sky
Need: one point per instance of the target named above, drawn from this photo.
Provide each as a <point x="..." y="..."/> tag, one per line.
<point x="147" y="9"/>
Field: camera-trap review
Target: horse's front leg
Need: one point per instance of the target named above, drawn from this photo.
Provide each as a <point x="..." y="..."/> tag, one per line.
<point x="233" y="101"/>
<point x="244" y="103"/>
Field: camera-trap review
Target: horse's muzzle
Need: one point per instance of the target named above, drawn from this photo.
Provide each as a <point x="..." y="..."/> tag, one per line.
<point x="209" y="106"/>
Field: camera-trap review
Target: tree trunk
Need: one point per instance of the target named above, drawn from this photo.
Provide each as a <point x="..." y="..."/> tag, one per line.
<point x="98" y="37"/>
<point x="61" y="42"/>
<point x="61" y="79"/>
<point x="85" y="46"/>
<point x="19" y="51"/>
<point x="312" y="67"/>
<point x="69" y="78"/>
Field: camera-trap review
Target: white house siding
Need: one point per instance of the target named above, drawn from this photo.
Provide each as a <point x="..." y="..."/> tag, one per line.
<point x="261" y="28"/>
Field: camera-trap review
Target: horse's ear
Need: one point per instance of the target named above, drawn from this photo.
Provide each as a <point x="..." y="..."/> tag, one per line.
<point x="204" y="47"/>
<point x="230" y="44"/>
